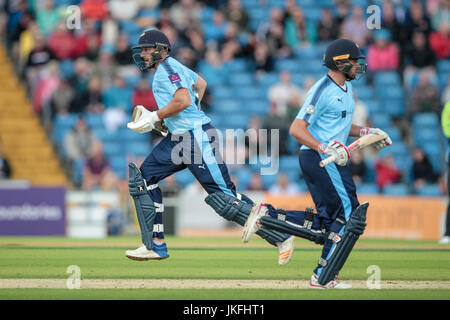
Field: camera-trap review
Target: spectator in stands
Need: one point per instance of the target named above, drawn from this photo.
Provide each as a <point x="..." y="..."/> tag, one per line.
<point x="212" y="68"/>
<point x="94" y="9"/>
<point x="48" y="16"/>
<point x="386" y="172"/>
<point x="440" y="14"/>
<point x="284" y="187"/>
<point x="217" y="29"/>
<point x="109" y="30"/>
<point x="105" y="67"/>
<point x="422" y="169"/>
<point x="90" y="100"/>
<point x="79" y="81"/>
<point x="425" y="97"/>
<point x="38" y="58"/>
<point x="230" y="46"/>
<point x="297" y="99"/>
<point x="122" y="54"/>
<point x="182" y="12"/>
<point x="383" y="54"/>
<point x="253" y="139"/>
<point x="62" y="99"/>
<point x="97" y="173"/>
<point x="298" y="31"/>
<point x="360" y="112"/>
<point x="143" y="95"/>
<point x="263" y="60"/>
<point x="416" y="20"/>
<point x="92" y="47"/>
<point x="46" y="85"/>
<point x="357" y="167"/>
<point x="62" y="42"/>
<point x="280" y="93"/>
<point x="354" y="27"/>
<point x="256" y="183"/>
<point x="5" y="168"/>
<point x="390" y="22"/>
<point x="170" y="187"/>
<point x="117" y="101"/>
<point x="123" y="9"/>
<point x="440" y="41"/>
<point x="328" y="28"/>
<point x="234" y="12"/>
<point x="79" y="141"/>
<point x="273" y="34"/>
<point x="418" y="57"/>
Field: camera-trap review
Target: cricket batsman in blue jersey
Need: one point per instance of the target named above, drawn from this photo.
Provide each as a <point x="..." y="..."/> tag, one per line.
<point x="189" y="143"/>
<point x="322" y="127"/>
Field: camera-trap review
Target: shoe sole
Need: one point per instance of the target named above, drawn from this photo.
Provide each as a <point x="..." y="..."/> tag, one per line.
<point x="251" y="220"/>
<point x="286" y="260"/>
<point x="144" y="259"/>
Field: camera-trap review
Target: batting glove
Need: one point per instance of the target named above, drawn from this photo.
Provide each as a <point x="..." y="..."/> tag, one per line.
<point x="379" y="144"/>
<point x="145" y="123"/>
<point x="337" y="150"/>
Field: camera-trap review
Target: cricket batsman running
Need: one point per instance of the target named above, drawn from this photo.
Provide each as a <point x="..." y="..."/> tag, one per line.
<point x="322" y="127"/>
<point x="188" y="143"/>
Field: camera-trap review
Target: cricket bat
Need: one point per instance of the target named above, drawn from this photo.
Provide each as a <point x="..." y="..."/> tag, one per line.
<point x="361" y="143"/>
<point x="140" y="111"/>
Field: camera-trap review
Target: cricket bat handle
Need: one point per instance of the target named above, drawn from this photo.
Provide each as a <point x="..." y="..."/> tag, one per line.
<point x="327" y="161"/>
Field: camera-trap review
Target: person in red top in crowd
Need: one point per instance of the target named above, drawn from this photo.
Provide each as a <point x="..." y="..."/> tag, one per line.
<point x="440" y="41"/>
<point x="62" y="42"/>
<point x="386" y="172"/>
<point x="143" y="96"/>
<point x="383" y="54"/>
<point x="94" y="9"/>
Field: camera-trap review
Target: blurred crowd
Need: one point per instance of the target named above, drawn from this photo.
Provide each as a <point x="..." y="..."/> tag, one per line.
<point x="87" y="68"/>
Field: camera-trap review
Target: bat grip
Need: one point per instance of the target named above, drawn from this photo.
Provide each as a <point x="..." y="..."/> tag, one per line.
<point x="327" y="161"/>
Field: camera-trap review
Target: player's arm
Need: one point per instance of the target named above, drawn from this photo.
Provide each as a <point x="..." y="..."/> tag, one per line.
<point x="200" y="87"/>
<point x="299" y="130"/>
<point x="180" y="101"/>
<point x="355" y="131"/>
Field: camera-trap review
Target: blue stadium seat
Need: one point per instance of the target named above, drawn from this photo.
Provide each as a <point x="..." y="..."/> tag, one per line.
<point x="118" y="163"/>
<point x="66" y="68"/>
<point x="393" y="133"/>
<point x="243" y="176"/>
<point x="258" y="107"/>
<point x="425" y="120"/>
<point x="290" y="65"/>
<point x="268" y="79"/>
<point x="364" y="93"/>
<point x="386" y="79"/>
<point x="62" y="125"/>
<point x="222" y="92"/>
<point x="242" y="79"/>
<point x="95" y="121"/>
<point x="149" y="13"/>
<point x="430" y="190"/>
<point x="227" y="106"/>
<point x="289" y="163"/>
<point x="399" y="148"/>
<point x="113" y="148"/>
<point x="236" y="65"/>
<point x="443" y="66"/>
<point x="381" y="120"/>
<point x="394" y="107"/>
<point x="426" y="135"/>
<point x="397" y="189"/>
<point x="139" y="149"/>
<point x="367" y="188"/>
<point x="374" y="107"/>
<point x="250" y="92"/>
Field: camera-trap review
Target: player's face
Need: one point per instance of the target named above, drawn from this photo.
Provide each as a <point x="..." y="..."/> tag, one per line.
<point x="354" y="70"/>
<point x="146" y="56"/>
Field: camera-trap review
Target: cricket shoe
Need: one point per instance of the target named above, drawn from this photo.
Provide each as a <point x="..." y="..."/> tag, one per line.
<point x="143" y="254"/>
<point x="333" y="284"/>
<point x="252" y="224"/>
<point x="445" y="240"/>
<point x="286" y="249"/>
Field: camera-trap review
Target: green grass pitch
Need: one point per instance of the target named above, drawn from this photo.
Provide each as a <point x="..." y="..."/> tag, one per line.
<point x="23" y="258"/>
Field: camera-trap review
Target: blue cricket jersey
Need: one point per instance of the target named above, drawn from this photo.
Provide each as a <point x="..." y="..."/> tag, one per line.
<point x="328" y="109"/>
<point x="170" y="76"/>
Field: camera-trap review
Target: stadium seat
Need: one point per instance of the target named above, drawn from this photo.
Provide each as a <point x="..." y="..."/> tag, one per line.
<point x="393" y="133"/>
<point x="250" y="92"/>
<point x="397" y="189"/>
<point x="139" y="149"/>
<point x="381" y="120"/>
<point x="111" y="149"/>
<point x="236" y="65"/>
<point x="386" y="79"/>
<point x="242" y="79"/>
<point x="94" y="121"/>
<point x="367" y="188"/>
<point x="374" y="107"/>
<point x="269" y="180"/>
<point x="425" y="120"/>
<point x="290" y="65"/>
<point x="289" y="163"/>
<point x="228" y="106"/>
<point x="222" y="92"/>
<point x="430" y="190"/>
<point x="364" y="93"/>
<point x="243" y="176"/>
<point x="443" y="66"/>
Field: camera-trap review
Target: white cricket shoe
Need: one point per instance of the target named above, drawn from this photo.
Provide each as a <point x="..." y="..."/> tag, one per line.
<point x="143" y="254"/>
<point x="333" y="284"/>
<point x="445" y="240"/>
<point x="286" y="249"/>
<point x="252" y="224"/>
